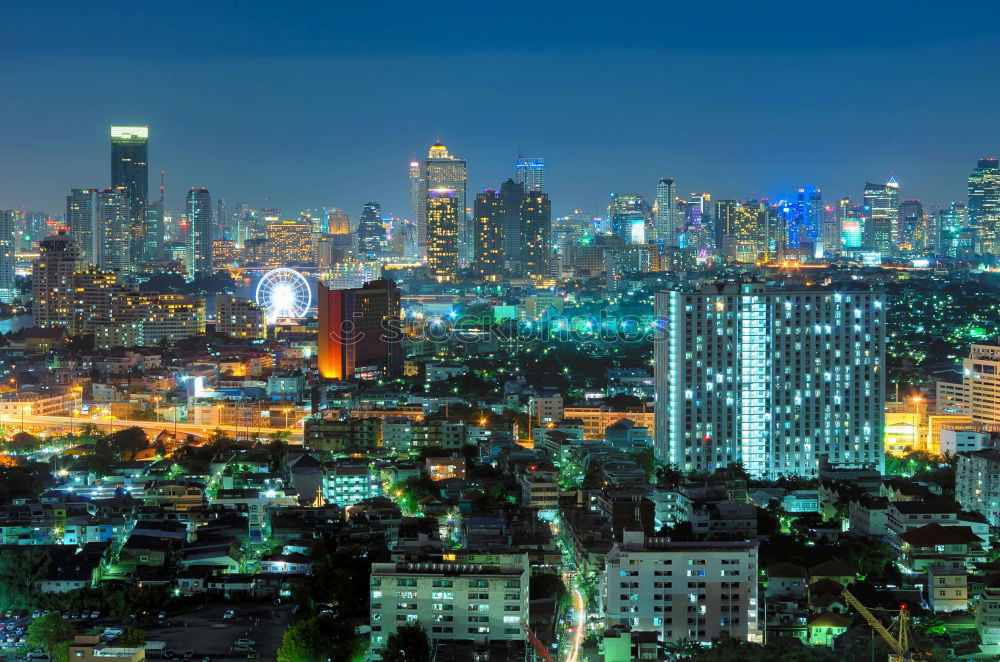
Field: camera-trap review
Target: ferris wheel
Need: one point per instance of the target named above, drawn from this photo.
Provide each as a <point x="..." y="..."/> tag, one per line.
<point x="284" y="293"/>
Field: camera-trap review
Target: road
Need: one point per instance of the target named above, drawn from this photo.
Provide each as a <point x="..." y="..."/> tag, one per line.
<point x="580" y="608"/>
<point x="155" y="427"/>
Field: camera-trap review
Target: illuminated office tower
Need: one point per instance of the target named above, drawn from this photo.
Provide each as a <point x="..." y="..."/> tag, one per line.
<point x="984" y="205"/>
<point x="288" y="242"/>
<point x="952" y="222"/>
<point x="666" y="212"/>
<point x="198" y="208"/>
<point x="130" y="171"/>
<point x="725" y="223"/>
<point x="337" y="222"/>
<point x="441" y="170"/>
<point x="7" y="252"/>
<point x="81" y="212"/>
<point x="811" y="209"/>
<point x="693" y="229"/>
<point x="629" y="215"/>
<point x="769" y="377"/>
<point x="529" y="172"/>
<point x="114" y="241"/>
<point x="852" y="233"/>
<point x="357" y="334"/>
<point x="52" y="289"/>
<point x="442" y="233"/>
<point x="882" y="206"/>
<point x="912" y="226"/>
<point x="488" y="217"/>
<point x="536" y="233"/>
<point x="371" y="232"/>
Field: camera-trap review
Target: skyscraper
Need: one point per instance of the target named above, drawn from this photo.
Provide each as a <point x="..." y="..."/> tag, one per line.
<point x="441" y="170"/>
<point x="442" y="233"/>
<point x="114" y="241"/>
<point x="770" y="377"/>
<point x="81" y="213"/>
<point x="371" y="232"/>
<point x="417" y="192"/>
<point x="666" y="225"/>
<point x="130" y="170"/>
<point x="511" y="198"/>
<point x="811" y="209"/>
<point x="952" y="221"/>
<point x="52" y="289"/>
<point x="629" y="214"/>
<point x="882" y="206"/>
<point x="529" y="172"/>
<point x="536" y="233"/>
<point x="912" y="226"/>
<point x="488" y="217"/>
<point x="7" y="261"/>
<point x="984" y="205"/>
<point x="198" y="208"/>
<point x="357" y="334"/>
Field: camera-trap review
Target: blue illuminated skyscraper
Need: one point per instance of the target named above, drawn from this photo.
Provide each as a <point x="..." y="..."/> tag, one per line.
<point x="810" y="213"/>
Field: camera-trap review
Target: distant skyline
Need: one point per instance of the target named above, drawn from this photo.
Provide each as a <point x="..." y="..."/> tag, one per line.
<point x="327" y="107"/>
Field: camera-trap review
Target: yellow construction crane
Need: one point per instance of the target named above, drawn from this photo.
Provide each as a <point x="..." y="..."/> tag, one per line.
<point x="899" y="645"/>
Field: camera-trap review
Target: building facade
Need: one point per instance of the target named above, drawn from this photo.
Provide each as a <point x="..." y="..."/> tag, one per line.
<point x="682" y="590"/>
<point x="769" y="377"/>
<point x="358" y="331"/>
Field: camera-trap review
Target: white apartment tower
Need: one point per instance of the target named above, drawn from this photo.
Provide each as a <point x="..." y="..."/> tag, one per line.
<point x="682" y="590"/>
<point x="769" y="377"/>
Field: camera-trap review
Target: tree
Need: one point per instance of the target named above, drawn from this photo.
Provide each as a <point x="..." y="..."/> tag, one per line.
<point x="47" y="632"/>
<point x="126" y="443"/>
<point x="319" y="639"/>
<point x="646" y="461"/>
<point x="407" y="644"/>
<point x="132" y="637"/>
<point x="160" y="448"/>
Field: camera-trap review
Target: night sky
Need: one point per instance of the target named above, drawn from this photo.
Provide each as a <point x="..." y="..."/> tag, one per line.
<point x="326" y="106"/>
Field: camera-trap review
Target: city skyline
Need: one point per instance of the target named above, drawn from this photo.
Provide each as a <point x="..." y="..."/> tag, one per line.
<point x="836" y="133"/>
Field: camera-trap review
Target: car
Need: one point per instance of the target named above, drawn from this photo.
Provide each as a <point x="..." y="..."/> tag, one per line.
<point x="36" y="613"/>
<point x="169" y="654"/>
<point x="229" y="614"/>
<point x="188" y="655"/>
<point x="162" y="615"/>
<point x="113" y="632"/>
<point x="246" y="642"/>
<point x="8" y="614"/>
<point x="95" y="614"/>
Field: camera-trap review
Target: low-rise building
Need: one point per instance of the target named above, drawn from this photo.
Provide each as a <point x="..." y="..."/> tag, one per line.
<point x="948" y="586"/>
<point x="347" y="483"/>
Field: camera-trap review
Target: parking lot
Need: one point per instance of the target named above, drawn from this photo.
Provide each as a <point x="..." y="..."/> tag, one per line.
<point x="202" y="630"/>
<point x="205" y="631"/>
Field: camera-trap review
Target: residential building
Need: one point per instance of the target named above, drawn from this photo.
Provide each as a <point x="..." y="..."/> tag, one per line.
<point x="977" y="483"/>
<point x="682" y="590"/>
<point x="770" y="377"/>
<point x="481" y="602"/>
<point x="239" y="317"/>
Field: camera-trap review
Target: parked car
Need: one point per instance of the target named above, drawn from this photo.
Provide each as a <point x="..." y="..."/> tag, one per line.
<point x="246" y="642"/>
<point x="229" y="614"/>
